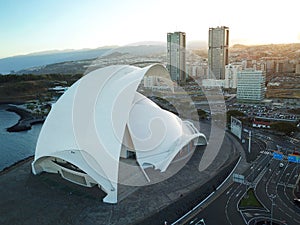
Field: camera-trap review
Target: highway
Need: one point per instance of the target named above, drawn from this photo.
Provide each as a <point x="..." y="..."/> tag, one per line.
<point x="279" y="183"/>
<point x="270" y="183"/>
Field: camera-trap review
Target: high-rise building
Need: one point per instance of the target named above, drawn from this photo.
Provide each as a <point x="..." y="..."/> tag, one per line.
<point x="218" y="43"/>
<point x="176" y="56"/>
<point x="251" y="85"/>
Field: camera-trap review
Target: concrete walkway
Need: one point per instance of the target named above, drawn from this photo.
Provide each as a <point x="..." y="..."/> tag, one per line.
<point x="48" y="199"/>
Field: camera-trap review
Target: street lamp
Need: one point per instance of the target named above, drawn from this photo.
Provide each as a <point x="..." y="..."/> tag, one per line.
<point x="249" y="143"/>
<point x="252" y="170"/>
<point x="272" y="196"/>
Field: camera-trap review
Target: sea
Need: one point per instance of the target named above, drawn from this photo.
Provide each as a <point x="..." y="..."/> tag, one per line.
<point x="15" y="146"/>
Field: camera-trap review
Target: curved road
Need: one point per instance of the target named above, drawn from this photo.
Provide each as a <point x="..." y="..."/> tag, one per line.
<point x="270" y="182"/>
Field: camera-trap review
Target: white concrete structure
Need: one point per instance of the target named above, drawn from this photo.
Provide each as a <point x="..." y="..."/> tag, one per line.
<point x="101" y="118"/>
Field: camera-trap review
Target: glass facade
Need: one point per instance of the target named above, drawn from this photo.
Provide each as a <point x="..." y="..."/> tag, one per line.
<point x="176" y="64"/>
<point x="251" y="85"/>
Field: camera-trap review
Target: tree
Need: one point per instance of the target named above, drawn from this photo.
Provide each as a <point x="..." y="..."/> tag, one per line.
<point x="201" y="113"/>
<point x="234" y="113"/>
<point x="284" y="127"/>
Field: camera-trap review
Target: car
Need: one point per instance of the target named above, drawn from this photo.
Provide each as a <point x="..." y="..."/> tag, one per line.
<point x="281" y="165"/>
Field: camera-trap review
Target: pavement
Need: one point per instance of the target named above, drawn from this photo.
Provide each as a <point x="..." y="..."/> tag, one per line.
<point x="49" y="199"/>
<point x="221" y="208"/>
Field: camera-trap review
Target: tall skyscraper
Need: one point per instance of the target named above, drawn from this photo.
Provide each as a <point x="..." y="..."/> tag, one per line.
<point x="176" y="56"/>
<point x="218" y="43"/>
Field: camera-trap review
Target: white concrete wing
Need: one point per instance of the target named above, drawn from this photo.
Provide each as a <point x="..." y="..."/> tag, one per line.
<point x="85" y="130"/>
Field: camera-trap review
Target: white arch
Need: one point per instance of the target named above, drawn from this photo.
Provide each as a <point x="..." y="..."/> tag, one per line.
<point x="86" y="128"/>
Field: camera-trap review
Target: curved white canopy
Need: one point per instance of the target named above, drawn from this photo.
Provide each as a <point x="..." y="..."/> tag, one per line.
<point x="86" y="126"/>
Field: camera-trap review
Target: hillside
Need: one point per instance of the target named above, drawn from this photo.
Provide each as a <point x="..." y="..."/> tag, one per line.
<point x="18" y="89"/>
<point x="255" y="52"/>
<point x="37" y="61"/>
<point x="16" y="63"/>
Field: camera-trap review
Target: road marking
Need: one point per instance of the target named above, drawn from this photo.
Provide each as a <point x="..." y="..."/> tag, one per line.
<point x="265" y="152"/>
<point x="291" y="186"/>
<point x="291" y="210"/>
<point x="248" y="214"/>
<point x="288" y="215"/>
<point x="228" y="191"/>
<point x="193" y="220"/>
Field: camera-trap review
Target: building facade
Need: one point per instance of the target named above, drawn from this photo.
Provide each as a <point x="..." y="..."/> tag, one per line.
<point x="176" y="65"/>
<point x="297" y="69"/>
<point x="251" y="85"/>
<point x="231" y="76"/>
<point x="218" y="43"/>
<point x="209" y="83"/>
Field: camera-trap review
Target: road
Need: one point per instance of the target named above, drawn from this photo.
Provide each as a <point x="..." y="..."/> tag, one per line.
<point x="279" y="183"/>
<point x="270" y="183"/>
<point x="228" y="197"/>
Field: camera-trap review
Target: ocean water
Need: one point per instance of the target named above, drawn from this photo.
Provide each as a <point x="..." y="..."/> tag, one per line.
<point x="15" y="146"/>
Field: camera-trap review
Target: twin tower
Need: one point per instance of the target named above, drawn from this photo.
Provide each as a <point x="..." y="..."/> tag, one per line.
<point x="218" y="44"/>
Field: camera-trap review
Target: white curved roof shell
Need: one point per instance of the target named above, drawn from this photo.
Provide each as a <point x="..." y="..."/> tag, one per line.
<point x="102" y="112"/>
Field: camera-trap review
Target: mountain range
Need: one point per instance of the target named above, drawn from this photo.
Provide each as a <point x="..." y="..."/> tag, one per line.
<point x="15" y="64"/>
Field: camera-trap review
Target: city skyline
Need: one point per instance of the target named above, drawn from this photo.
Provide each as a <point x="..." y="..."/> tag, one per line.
<point x="34" y="26"/>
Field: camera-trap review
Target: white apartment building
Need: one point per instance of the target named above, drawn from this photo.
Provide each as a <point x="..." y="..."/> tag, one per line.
<point x="231" y="75"/>
<point x="251" y="85"/>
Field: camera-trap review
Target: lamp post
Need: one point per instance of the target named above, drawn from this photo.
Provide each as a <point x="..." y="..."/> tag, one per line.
<point x="252" y="171"/>
<point x="249" y="144"/>
<point x="250" y="135"/>
<point x="272" y="196"/>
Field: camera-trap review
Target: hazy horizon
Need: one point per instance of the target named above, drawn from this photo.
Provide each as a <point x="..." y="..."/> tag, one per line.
<point x="193" y="42"/>
<point x="36" y="26"/>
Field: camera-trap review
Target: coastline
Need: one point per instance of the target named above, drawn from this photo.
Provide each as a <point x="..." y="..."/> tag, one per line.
<point x="26" y="119"/>
<point x="16" y="164"/>
<point x="25" y="116"/>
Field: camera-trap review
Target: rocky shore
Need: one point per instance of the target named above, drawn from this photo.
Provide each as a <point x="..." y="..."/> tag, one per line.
<point x="27" y="119"/>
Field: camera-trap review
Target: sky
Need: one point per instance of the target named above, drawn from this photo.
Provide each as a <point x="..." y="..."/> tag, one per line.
<point x="28" y="26"/>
